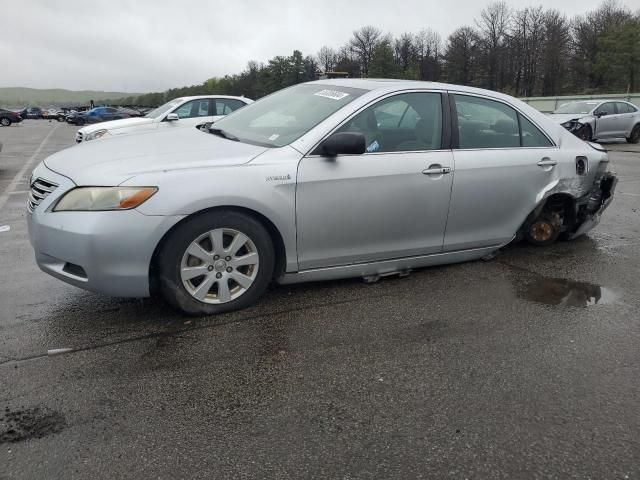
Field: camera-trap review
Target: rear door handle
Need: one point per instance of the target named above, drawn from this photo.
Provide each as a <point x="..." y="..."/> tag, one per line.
<point x="436" y="170"/>
<point x="547" y="162"/>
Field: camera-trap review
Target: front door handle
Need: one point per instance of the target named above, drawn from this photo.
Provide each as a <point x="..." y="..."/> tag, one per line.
<point x="436" y="170"/>
<point x="547" y="162"/>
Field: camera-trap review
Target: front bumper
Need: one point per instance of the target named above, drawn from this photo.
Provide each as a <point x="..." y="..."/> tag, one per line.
<point x="104" y="252"/>
<point x="595" y="203"/>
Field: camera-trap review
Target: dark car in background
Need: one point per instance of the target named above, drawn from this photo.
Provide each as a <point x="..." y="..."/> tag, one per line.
<point x="7" y="117"/>
<point x="54" y="114"/>
<point x="101" y="114"/>
<point x="32" y="112"/>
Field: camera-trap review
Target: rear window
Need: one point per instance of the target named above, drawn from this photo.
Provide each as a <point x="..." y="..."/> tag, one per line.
<point x="625" y="108"/>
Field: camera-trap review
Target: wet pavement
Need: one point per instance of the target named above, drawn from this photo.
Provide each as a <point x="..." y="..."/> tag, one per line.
<point x="525" y="366"/>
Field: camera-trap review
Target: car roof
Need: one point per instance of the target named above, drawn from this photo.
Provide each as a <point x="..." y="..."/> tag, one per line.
<point x="195" y="97"/>
<point x="386" y="85"/>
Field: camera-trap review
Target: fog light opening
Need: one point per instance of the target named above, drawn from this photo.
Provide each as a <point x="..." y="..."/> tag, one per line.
<point x="75" y="270"/>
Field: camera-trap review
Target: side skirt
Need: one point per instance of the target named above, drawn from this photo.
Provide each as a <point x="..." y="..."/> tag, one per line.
<point x="385" y="267"/>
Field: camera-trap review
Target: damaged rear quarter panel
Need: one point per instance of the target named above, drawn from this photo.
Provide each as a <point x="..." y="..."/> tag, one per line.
<point x="569" y="182"/>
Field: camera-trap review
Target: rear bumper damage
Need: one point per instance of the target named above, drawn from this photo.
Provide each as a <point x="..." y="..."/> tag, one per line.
<point x="591" y="206"/>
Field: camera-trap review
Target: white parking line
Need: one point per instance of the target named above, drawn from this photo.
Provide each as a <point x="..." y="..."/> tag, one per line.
<point x="16" y="180"/>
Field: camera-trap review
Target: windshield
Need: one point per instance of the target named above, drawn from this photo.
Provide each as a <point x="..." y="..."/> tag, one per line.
<point x="577" y="107"/>
<point x="156" y="112"/>
<point x="286" y="115"/>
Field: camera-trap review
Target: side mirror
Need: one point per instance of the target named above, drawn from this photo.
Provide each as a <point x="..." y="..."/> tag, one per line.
<point x="601" y="114"/>
<point x="346" y="143"/>
<point x="172" y="117"/>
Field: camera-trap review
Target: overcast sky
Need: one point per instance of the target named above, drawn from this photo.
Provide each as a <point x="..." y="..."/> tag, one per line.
<point x="149" y="45"/>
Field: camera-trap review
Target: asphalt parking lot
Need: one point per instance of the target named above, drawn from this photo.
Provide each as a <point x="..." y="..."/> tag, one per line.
<point x="525" y="366"/>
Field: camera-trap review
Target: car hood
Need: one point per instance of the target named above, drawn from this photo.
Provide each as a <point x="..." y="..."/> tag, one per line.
<point x="565" y="117"/>
<point x="113" y="124"/>
<point x="113" y="160"/>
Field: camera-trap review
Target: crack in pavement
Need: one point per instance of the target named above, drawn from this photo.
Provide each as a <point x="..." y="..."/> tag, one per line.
<point x="208" y="325"/>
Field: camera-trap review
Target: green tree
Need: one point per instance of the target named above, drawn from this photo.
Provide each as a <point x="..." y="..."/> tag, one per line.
<point x="383" y="63"/>
<point x="618" y="59"/>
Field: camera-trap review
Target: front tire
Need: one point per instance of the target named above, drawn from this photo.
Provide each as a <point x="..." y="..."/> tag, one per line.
<point x="5" y="122"/>
<point x="635" y="135"/>
<point x="216" y="262"/>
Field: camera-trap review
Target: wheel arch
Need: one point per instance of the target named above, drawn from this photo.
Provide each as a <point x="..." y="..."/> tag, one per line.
<point x="556" y="200"/>
<point x="274" y="233"/>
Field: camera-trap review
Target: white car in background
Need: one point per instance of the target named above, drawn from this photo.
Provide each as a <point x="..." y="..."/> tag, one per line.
<point x="179" y="112"/>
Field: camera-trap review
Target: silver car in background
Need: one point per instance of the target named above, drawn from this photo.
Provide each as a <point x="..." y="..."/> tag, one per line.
<point x="323" y="180"/>
<point x="593" y="120"/>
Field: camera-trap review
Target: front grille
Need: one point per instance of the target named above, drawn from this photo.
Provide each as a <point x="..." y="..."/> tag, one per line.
<point x="79" y="137"/>
<point x="40" y="189"/>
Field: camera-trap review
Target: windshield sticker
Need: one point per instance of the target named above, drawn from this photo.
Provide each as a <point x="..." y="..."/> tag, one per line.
<point x="274" y="137"/>
<point x="374" y="147"/>
<point x="332" y="94"/>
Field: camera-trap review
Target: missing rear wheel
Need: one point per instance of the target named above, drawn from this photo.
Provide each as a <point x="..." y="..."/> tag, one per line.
<point x="544" y="230"/>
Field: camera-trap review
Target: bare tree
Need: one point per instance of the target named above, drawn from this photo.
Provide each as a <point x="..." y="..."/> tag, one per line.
<point x="557" y="38"/>
<point x="346" y="62"/>
<point x="462" y="56"/>
<point x="493" y="24"/>
<point x="327" y="58"/>
<point x="404" y="52"/>
<point x="526" y="42"/>
<point x="428" y="45"/>
<point x="363" y="43"/>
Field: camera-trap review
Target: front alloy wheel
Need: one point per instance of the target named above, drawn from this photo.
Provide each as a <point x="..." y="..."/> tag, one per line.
<point x="635" y="135"/>
<point x="215" y="262"/>
<point x="5" y="122"/>
<point x="219" y="266"/>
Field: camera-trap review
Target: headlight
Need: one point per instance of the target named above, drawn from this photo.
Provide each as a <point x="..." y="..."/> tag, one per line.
<point x="570" y="125"/>
<point x="96" y="134"/>
<point x="104" y="198"/>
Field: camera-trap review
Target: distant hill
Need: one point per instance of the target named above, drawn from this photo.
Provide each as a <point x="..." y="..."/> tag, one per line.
<point x="15" y="97"/>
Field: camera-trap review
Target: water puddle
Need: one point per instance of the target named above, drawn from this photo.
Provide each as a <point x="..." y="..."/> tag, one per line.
<point x="564" y="292"/>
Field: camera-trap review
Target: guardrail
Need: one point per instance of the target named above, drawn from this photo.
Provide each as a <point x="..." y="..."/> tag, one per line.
<point x="549" y="104"/>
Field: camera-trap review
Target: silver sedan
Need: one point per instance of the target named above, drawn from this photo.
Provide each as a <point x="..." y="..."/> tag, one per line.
<point x="600" y="119"/>
<point x="324" y="180"/>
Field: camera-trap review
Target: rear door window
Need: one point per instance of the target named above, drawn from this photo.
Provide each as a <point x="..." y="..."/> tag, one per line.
<point x="484" y="123"/>
<point x="531" y="135"/>
<point x="623" y="107"/>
